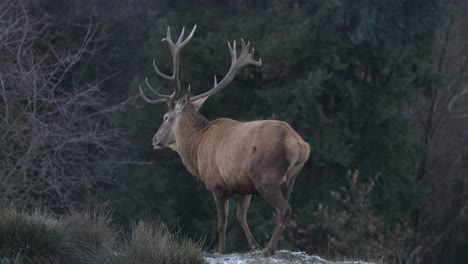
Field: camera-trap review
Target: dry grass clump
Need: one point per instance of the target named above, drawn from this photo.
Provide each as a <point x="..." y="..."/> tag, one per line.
<point x="151" y="242"/>
<point x="91" y="228"/>
<point x="31" y="238"/>
<point x="89" y="237"/>
<point x="91" y="233"/>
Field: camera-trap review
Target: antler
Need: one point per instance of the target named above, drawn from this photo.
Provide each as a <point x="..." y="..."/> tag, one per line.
<point x="174" y="78"/>
<point x="245" y="58"/>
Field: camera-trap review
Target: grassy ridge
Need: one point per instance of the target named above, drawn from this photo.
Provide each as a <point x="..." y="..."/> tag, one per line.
<point x="88" y="237"/>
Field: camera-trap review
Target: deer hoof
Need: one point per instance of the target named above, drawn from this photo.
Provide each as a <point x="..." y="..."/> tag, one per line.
<point x="255" y="246"/>
<point x="269" y="252"/>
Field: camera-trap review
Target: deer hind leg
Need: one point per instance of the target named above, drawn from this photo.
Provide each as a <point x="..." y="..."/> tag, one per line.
<point x="268" y="173"/>
<point x="242" y="206"/>
<point x="273" y="195"/>
<point x="222" y="203"/>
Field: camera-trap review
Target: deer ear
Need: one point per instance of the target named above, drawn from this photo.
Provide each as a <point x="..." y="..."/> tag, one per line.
<point x="186" y="98"/>
<point x="182" y="102"/>
<point x="199" y="102"/>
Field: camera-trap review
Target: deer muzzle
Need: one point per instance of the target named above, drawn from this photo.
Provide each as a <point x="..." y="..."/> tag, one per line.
<point x="157" y="147"/>
<point x="157" y="144"/>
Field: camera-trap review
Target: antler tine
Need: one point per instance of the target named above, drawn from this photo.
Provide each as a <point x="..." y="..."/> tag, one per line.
<point x="181" y="36"/>
<point x="156" y="92"/>
<point x="162" y="75"/>
<point x="155" y="101"/>
<point x="245" y="58"/>
<point x="189" y="37"/>
<point x="189" y="91"/>
<point x="232" y="51"/>
<point x="168" y="37"/>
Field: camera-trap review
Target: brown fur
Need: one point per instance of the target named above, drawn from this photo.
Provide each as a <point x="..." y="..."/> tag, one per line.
<point x="231" y="157"/>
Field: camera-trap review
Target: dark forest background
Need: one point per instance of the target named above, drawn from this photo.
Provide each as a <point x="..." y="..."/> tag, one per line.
<point x="378" y="89"/>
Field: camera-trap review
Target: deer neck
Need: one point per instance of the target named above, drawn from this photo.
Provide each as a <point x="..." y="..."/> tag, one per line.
<point x="188" y="134"/>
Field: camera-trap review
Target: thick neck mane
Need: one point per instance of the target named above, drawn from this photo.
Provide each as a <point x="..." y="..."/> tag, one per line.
<point x="188" y="133"/>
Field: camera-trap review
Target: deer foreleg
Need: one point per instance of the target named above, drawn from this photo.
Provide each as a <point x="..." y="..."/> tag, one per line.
<point x="222" y="203"/>
<point x="242" y="206"/>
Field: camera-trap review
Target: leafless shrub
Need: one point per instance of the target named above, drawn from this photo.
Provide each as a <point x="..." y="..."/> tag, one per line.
<point x="356" y="230"/>
<point x="55" y="131"/>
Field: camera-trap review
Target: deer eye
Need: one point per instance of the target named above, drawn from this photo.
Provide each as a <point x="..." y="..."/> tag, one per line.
<point x="165" y="118"/>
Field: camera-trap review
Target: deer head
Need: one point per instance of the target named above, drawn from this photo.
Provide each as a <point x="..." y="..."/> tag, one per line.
<point x="164" y="137"/>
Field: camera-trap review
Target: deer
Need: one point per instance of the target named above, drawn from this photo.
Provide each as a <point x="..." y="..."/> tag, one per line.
<point x="244" y="158"/>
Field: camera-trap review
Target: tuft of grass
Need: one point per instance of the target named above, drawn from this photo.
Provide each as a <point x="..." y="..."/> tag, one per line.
<point x="91" y="232"/>
<point x="151" y="242"/>
<point x="89" y="237"/>
<point x="31" y="238"/>
<point x="91" y="228"/>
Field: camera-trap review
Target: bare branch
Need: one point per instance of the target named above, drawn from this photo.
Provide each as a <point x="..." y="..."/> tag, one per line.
<point x="54" y="129"/>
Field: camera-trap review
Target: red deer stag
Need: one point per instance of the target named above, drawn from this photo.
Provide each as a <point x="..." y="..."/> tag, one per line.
<point x="230" y="157"/>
